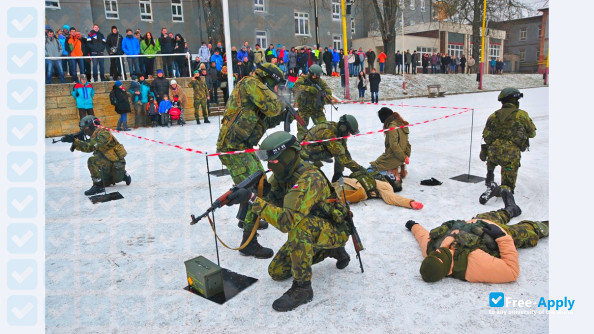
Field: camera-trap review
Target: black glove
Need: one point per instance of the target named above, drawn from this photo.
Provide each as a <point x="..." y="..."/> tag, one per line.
<point x="409" y="224"/>
<point x="240" y="196"/>
<point x="68" y="139"/>
<point x="336" y="177"/>
<point x="494" y="231"/>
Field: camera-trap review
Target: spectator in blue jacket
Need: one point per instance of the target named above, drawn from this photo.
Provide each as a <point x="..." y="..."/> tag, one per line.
<point x="216" y="57"/>
<point x="335" y="60"/>
<point x="131" y="47"/>
<point x="83" y="92"/>
<point x="140" y="91"/>
<point x="242" y="53"/>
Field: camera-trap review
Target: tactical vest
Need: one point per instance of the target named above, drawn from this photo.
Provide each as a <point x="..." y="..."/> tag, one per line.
<point x="511" y="129"/>
<point x="469" y="238"/>
<point x="112" y="150"/>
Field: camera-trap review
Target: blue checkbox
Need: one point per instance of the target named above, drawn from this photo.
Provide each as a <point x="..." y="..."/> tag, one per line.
<point x="59" y="238"/>
<point x="169" y="203"/>
<point x="496" y="299"/>
<point x="21" y="274"/>
<point x="21" y="310"/>
<point x="94" y="274"/>
<point x="22" y="22"/>
<point x="21" y="130"/>
<point x="21" y="238"/>
<point x="59" y="312"/>
<point x="22" y="58"/>
<point x="59" y="202"/>
<point x="94" y="238"/>
<point x="21" y="203"/>
<point x="94" y="310"/>
<point x="22" y="166"/>
<point x="59" y="274"/>
<point x="131" y="311"/>
<point x="22" y="94"/>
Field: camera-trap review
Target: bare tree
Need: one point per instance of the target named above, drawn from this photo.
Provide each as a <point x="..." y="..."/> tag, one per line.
<point x="213" y="16"/>
<point x="386" y="17"/>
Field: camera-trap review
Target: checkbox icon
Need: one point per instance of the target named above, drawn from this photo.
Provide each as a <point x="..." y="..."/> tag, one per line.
<point x="22" y="94"/>
<point x="22" y="202"/>
<point x="21" y="130"/>
<point x="21" y="274"/>
<point x="22" y="22"/>
<point x="22" y="58"/>
<point x="21" y="310"/>
<point x="21" y="238"/>
<point x="59" y="312"/>
<point x="496" y="299"/>
<point x="22" y="166"/>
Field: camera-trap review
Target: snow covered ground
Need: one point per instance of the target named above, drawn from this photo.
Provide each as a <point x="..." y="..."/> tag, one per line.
<point x="119" y="266"/>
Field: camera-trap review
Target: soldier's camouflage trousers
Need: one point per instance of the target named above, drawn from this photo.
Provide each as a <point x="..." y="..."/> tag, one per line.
<point x="241" y="166"/>
<point x="316" y="116"/>
<point x="105" y="172"/>
<point x="307" y="244"/>
<point x="201" y="103"/>
<point x="525" y="233"/>
<point x="508" y="176"/>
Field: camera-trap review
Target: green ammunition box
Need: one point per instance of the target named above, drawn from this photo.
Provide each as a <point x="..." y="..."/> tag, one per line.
<point x="204" y="276"/>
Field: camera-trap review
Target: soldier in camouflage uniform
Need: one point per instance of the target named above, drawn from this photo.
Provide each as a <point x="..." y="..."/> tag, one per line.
<point x="107" y="165"/>
<point x="482" y="249"/>
<point x="506" y="135"/>
<point x="252" y="108"/>
<point x="301" y="202"/>
<point x="201" y="97"/>
<point x="309" y="99"/>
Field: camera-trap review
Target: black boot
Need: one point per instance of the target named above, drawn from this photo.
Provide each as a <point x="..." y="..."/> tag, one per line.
<point x="492" y="190"/>
<point x="510" y="204"/>
<point x="206" y="120"/>
<point x="254" y="248"/>
<point x="262" y="226"/>
<point x="298" y="294"/>
<point x="95" y="189"/>
<point x="128" y="179"/>
<point x="490" y="177"/>
<point x="341" y="256"/>
<point x="197" y="120"/>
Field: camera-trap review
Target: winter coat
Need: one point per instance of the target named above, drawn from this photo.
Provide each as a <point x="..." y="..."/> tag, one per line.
<point x="144" y="89"/>
<point x="397" y="147"/>
<point x="151" y="48"/>
<point x="62" y="41"/>
<point x="114" y="41"/>
<point x="75" y="45"/>
<point x="204" y="54"/>
<point x="374" y="81"/>
<point x="433" y="60"/>
<point x="119" y="98"/>
<point x="370" y="57"/>
<point x="83" y="95"/>
<point x="335" y="57"/>
<point x="357" y="59"/>
<point x="212" y="76"/>
<point x="166" y="44"/>
<point x="463" y="61"/>
<point x="398" y="58"/>
<point x="351" y="58"/>
<point x="179" y="92"/>
<point x="471" y="62"/>
<point x="159" y="87"/>
<point x="259" y="56"/>
<point x="241" y="54"/>
<point x="164" y="106"/>
<point x="407" y="58"/>
<point x="302" y="59"/>
<point x="292" y="59"/>
<point x="327" y="57"/>
<point x="96" y="41"/>
<point x="362" y="83"/>
<point x="381" y="58"/>
<point x="130" y="45"/>
<point x="53" y="48"/>
<point x="218" y="61"/>
<point x="269" y="54"/>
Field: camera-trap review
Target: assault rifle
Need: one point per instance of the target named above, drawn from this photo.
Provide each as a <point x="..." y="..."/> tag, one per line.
<point x="290" y="112"/>
<point x="249" y="183"/>
<point x="354" y="235"/>
<point x="70" y="139"/>
<point x="322" y="94"/>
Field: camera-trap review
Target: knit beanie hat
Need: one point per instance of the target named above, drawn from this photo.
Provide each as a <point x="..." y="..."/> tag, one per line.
<point x="384" y="113"/>
<point x="118" y="83"/>
<point x="432" y="269"/>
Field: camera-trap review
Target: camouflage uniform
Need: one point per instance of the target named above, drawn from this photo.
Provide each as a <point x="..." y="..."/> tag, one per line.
<point x="326" y="150"/>
<point x="397" y="147"/>
<point x="106" y="166"/>
<point x="310" y="101"/>
<point x="258" y="109"/>
<point x="525" y="233"/>
<point x="507" y="134"/>
<point x="300" y="207"/>
<point x="200" y="97"/>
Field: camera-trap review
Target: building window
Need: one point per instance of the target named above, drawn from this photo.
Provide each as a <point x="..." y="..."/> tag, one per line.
<point x="421" y="51"/>
<point x="412" y="4"/>
<point x="455" y="49"/>
<point x="336" y="10"/>
<point x="146" y="10"/>
<point x="539" y="31"/>
<point x="301" y="23"/>
<point x="261" y="37"/>
<point x="352" y="26"/>
<point x="422" y="6"/>
<point x="177" y="12"/>
<point x="259" y="7"/>
<point x="494" y="51"/>
<point x="52" y="4"/>
<point x="522" y="55"/>
<point x="523" y="34"/>
<point x="111" y="9"/>
<point x="336" y="43"/>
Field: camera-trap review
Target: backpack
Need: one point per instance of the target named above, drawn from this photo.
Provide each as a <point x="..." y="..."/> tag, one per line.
<point x="151" y="108"/>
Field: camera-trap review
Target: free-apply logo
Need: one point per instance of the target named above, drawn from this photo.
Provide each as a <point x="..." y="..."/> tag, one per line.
<point x="496" y="299"/>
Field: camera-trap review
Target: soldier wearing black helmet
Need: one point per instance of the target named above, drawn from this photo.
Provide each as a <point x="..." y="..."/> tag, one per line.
<point x="506" y="135"/>
<point x="301" y="203"/>
<point x="107" y="165"/>
<point x="310" y="99"/>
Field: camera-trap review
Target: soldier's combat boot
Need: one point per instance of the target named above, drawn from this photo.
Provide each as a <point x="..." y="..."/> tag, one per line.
<point x="128" y="179"/>
<point x="95" y="189"/>
<point x="197" y="120"/>
<point x="206" y="120"/>
<point x="341" y="256"/>
<point x="254" y="248"/>
<point x="490" y="177"/>
<point x="262" y="226"/>
<point x="492" y="190"/>
<point x="298" y="294"/>
<point x="510" y="204"/>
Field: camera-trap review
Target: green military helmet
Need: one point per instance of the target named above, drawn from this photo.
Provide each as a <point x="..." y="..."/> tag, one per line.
<point x="275" y="144"/>
<point x="316" y="70"/>
<point x="509" y="92"/>
<point x="270" y="74"/>
<point x="348" y="123"/>
<point x="89" y="121"/>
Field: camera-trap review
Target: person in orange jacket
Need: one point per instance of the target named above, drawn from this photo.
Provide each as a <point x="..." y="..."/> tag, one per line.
<point x="381" y="58"/>
<point x="482" y="249"/>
